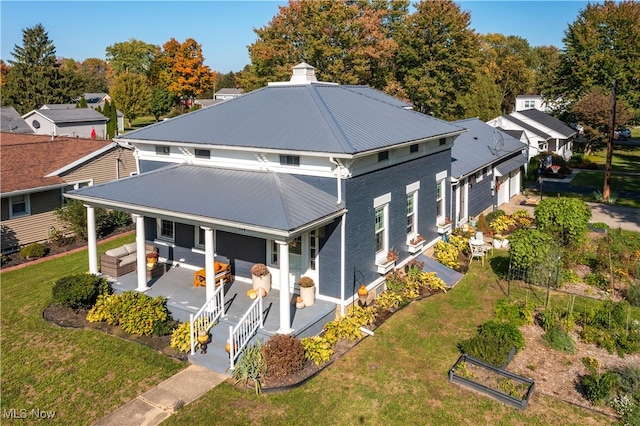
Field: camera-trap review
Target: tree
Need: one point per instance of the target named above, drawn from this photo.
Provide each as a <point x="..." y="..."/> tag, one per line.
<point x="35" y="78"/>
<point x="545" y="61"/>
<point x="602" y="50"/>
<point x="161" y="102"/>
<point x="133" y="56"/>
<point x="348" y="42"/>
<point x="592" y="112"/>
<point x="185" y="71"/>
<point x="508" y="60"/>
<point x="483" y="99"/>
<point x="132" y="94"/>
<point x="82" y="103"/>
<point x="95" y="74"/>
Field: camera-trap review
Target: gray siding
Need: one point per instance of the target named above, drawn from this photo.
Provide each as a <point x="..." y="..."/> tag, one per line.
<point x="480" y="197"/>
<point x="104" y="168"/>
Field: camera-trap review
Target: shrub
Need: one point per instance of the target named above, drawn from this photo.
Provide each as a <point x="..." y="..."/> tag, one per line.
<point x="629" y="380"/>
<point x="483" y="225"/>
<point x="633" y="294"/>
<point x="135" y="312"/>
<point x="164" y="328"/>
<point x="502" y="224"/>
<point x="251" y="367"/>
<point x="119" y="218"/>
<point x="447" y="254"/>
<point x="559" y="340"/>
<point x="549" y="318"/>
<point x="317" y="349"/>
<point x="597" y="280"/>
<point x="284" y="355"/>
<point x="494" y="215"/>
<point x="79" y="290"/>
<point x="531" y="247"/>
<point x="33" y="251"/>
<point x="517" y="313"/>
<point x="597" y="387"/>
<point x="181" y="337"/>
<point x="74" y="216"/>
<point x="565" y="218"/>
<point x="493" y="342"/>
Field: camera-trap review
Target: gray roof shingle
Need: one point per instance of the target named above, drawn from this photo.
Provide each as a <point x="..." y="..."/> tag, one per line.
<point x="70" y="115"/>
<point x="549" y="122"/>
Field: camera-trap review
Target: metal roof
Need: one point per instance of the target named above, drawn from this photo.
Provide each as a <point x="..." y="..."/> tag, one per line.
<point x="506" y="167"/>
<point x="529" y="127"/>
<point x="68" y="115"/>
<point x="316" y="117"/>
<point x="482" y="145"/>
<point x="261" y="201"/>
<point x="549" y="122"/>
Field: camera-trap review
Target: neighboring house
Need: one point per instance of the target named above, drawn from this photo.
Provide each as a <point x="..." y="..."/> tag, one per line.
<point x="92" y="105"/>
<point x="228" y="93"/>
<point x="37" y="170"/>
<point x="207" y="102"/>
<point x="524" y="102"/>
<point x="73" y="122"/>
<point x="544" y="132"/>
<point x="310" y="178"/>
<point x="485" y="169"/>
<point x="12" y="122"/>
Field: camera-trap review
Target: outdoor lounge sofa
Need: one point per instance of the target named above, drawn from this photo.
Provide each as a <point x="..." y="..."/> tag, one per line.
<point x="121" y="260"/>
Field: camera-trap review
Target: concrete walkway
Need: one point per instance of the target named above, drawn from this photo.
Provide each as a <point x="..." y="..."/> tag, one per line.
<point x="159" y="402"/>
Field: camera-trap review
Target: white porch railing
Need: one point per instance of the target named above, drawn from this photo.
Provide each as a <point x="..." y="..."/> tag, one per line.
<point x="240" y="335"/>
<point x="207" y="316"/>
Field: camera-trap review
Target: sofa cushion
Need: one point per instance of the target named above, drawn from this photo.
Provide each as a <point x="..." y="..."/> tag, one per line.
<point x="125" y="260"/>
<point x="131" y="247"/>
<point x="117" y="252"/>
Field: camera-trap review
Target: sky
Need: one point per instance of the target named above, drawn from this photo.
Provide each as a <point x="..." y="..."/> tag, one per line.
<point x="224" y="29"/>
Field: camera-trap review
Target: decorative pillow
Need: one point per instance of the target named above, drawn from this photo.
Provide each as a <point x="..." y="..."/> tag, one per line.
<point x="117" y="252"/>
<point x="217" y="266"/>
<point x="131" y="247"/>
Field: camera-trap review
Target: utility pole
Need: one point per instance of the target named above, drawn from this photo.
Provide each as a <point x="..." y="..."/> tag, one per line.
<point x="606" y="191"/>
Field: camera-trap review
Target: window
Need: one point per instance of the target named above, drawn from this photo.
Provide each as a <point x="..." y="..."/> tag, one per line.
<point x="200" y="239"/>
<point x="313" y="249"/>
<point x="166" y="230"/>
<point x="380" y="230"/>
<point x="203" y="153"/>
<point x="19" y="206"/>
<point x="274" y="253"/>
<point x="384" y="155"/>
<point x="479" y="176"/>
<point x="440" y="198"/>
<point x="289" y="160"/>
<point x="73" y="186"/>
<point x="443" y="141"/>
<point x="413" y="148"/>
<point x="162" y="150"/>
<point x="542" y="145"/>
<point x="411" y="213"/>
<point x="529" y="104"/>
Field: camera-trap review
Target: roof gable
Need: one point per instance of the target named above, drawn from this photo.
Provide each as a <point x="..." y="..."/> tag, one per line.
<point x="59" y="116"/>
<point x="314" y="117"/>
<point x="11" y="121"/>
<point x="548" y="121"/>
<point x="28" y="159"/>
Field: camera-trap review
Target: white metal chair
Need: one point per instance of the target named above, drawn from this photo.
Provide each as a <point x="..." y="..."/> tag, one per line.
<point x="487" y="247"/>
<point x="477" y="250"/>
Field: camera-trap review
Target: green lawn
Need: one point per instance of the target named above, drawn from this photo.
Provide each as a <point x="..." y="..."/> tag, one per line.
<point x="595" y="180"/>
<point x="398" y="376"/>
<point x="82" y="375"/>
<point x="625" y="159"/>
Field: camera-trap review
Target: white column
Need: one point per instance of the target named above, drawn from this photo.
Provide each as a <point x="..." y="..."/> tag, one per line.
<point x="209" y="258"/>
<point x="285" y="296"/>
<point x="92" y="244"/>
<point x="141" y="258"/>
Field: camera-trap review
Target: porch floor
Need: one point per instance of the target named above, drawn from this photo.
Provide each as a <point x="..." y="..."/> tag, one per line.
<point x="183" y="299"/>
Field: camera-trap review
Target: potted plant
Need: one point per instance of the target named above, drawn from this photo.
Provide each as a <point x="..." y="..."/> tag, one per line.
<point x="307" y="290"/>
<point x="261" y="277"/>
<point x="416" y="243"/>
<point x="152" y="259"/>
<point x="497" y="241"/>
<point x="389" y="262"/>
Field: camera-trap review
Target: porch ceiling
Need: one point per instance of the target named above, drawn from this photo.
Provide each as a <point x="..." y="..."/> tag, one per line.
<point x="254" y="202"/>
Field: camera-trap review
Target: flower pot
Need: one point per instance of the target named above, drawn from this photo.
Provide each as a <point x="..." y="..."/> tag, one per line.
<point x="497" y="243"/>
<point x="386" y="267"/>
<point x="263" y="282"/>
<point x="308" y="295"/>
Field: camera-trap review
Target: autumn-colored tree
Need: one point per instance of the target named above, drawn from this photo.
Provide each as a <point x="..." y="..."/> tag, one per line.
<point x="4" y="69"/>
<point x="508" y="59"/>
<point x="133" y="56"/>
<point x="183" y="70"/>
<point x="348" y="42"/>
<point x="131" y="93"/>
<point x="437" y="58"/>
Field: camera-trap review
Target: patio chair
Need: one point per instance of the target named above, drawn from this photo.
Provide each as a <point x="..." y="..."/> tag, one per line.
<point x="223" y="275"/>
<point x="487" y="247"/>
<point x="477" y="250"/>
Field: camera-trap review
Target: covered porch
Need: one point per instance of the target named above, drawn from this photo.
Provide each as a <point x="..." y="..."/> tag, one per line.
<point x="183" y="299"/>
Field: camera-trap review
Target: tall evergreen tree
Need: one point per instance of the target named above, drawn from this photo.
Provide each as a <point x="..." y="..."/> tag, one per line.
<point x="35" y="77"/>
<point x="113" y="120"/>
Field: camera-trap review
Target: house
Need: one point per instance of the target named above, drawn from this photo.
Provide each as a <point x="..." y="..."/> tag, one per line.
<point x="12" y="122"/>
<point x="485" y="169"/>
<point x="38" y="169"/>
<point x="93" y="105"/>
<point x="524" y="102"/>
<point x="310" y="178"/>
<point x="228" y="93"/>
<point x="542" y="131"/>
<point x="75" y="122"/>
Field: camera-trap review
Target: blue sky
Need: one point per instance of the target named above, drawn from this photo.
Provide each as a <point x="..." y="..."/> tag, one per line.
<point x="224" y="29"/>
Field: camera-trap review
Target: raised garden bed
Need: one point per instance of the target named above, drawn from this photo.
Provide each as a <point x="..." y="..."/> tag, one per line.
<point x="506" y="387"/>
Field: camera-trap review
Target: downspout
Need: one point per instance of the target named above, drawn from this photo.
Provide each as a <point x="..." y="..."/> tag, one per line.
<point x="339" y="178"/>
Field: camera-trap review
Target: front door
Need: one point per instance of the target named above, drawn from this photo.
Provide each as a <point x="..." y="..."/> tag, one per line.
<point x="303" y="258"/>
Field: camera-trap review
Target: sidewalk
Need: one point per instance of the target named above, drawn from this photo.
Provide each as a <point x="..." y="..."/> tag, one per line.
<point x="159" y="402"/>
